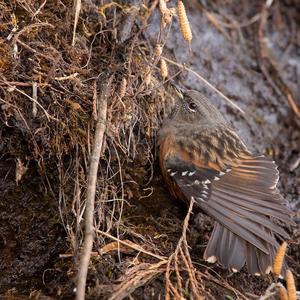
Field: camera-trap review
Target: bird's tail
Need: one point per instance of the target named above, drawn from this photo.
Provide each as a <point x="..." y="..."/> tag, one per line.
<point x="232" y="252"/>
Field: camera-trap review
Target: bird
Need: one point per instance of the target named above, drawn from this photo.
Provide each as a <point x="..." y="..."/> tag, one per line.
<point x="202" y="157"/>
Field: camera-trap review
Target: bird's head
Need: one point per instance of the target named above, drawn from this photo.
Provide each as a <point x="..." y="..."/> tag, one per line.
<point x="193" y="107"/>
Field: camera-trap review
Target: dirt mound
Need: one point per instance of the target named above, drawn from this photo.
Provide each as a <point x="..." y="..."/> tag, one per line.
<point x="56" y="59"/>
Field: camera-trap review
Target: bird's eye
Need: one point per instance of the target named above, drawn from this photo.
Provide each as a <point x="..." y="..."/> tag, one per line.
<point x="192" y="106"/>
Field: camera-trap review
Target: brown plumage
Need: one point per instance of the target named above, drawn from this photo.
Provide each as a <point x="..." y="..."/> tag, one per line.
<point x="203" y="158"/>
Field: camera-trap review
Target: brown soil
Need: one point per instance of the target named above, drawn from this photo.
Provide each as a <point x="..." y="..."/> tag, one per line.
<point x="40" y="231"/>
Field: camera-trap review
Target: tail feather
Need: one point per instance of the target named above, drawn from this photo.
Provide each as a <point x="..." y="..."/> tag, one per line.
<point x="233" y="252"/>
<point x="253" y="265"/>
<point x="236" y="256"/>
<point x="226" y="248"/>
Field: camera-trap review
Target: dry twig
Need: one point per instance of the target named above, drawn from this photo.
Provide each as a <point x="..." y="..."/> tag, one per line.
<point x="34" y="96"/>
<point x="14" y="88"/>
<point x="132" y="246"/>
<point x="91" y="190"/>
<point x="137" y="276"/>
<point x="205" y="81"/>
<point x="181" y="254"/>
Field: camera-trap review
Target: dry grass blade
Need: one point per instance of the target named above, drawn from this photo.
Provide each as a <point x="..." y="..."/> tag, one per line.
<point x="77" y="5"/>
<point x="63" y="78"/>
<point x="205" y="81"/>
<point x="91" y="190"/>
<point x="215" y="22"/>
<point x="291" y="99"/>
<point x="137" y="276"/>
<point x="13" y="88"/>
<point x="115" y="246"/>
<point x="34" y="96"/>
<point x="132" y="246"/>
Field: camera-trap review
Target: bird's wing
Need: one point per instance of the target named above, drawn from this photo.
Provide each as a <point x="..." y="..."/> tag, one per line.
<point x="238" y="190"/>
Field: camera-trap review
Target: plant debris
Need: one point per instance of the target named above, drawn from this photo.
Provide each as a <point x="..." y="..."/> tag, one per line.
<point x="55" y="57"/>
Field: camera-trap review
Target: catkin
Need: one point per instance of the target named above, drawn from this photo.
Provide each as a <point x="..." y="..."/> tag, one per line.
<point x="166" y="13"/>
<point x="148" y="76"/>
<point x="282" y="293"/>
<point x="157" y="50"/>
<point x="162" y="6"/>
<point x="290" y="283"/>
<point x="278" y="261"/>
<point x="123" y="87"/>
<point x="184" y="22"/>
<point x="163" y="68"/>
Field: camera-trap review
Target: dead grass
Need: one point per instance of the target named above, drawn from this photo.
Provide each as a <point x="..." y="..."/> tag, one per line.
<point x="51" y="76"/>
<point x="53" y="60"/>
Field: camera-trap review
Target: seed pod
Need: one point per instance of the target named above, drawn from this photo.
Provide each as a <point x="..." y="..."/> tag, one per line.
<point x="167" y="17"/>
<point x="290" y="283"/>
<point x="162" y="6"/>
<point x="282" y="293"/>
<point x="158" y="50"/>
<point x="163" y="68"/>
<point x="166" y="13"/>
<point x="123" y="87"/>
<point x="278" y="261"/>
<point x="148" y="76"/>
<point x="184" y="22"/>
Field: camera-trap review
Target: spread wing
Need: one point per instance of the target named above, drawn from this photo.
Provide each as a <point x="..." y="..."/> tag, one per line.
<point x="239" y="192"/>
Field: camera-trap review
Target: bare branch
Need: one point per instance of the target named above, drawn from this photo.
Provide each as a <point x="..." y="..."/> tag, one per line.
<point x="91" y="190"/>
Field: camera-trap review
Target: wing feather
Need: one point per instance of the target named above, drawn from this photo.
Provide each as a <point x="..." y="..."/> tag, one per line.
<point x="250" y="215"/>
<point x="240" y="225"/>
<point x="266" y="208"/>
<point x="239" y="192"/>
